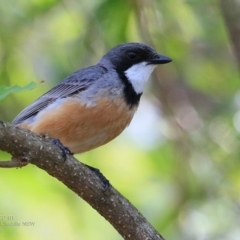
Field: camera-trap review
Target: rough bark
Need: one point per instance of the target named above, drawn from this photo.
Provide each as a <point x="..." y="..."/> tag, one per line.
<point x="27" y="146"/>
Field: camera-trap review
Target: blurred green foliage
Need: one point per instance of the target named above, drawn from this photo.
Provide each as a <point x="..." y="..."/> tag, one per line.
<point x="178" y="162"/>
<point x="4" y="91"/>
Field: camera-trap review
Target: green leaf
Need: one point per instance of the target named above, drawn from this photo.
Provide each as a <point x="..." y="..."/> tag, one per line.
<point x="4" y="91"/>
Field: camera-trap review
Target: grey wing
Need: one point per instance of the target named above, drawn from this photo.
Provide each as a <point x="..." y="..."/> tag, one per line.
<point x="75" y="83"/>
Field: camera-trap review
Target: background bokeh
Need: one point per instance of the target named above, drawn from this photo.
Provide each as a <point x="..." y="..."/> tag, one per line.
<point x="178" y="162"/>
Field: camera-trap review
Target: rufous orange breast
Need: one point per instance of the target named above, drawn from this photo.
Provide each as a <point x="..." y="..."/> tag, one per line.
<point x="80" y="127"/>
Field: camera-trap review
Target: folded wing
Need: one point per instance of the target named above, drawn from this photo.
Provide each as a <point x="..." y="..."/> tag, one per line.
<point x="75" y="83"/>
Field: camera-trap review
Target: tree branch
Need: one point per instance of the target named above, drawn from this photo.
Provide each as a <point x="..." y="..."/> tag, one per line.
<point x="231" y="13"/>
<point x="26" y="146"/>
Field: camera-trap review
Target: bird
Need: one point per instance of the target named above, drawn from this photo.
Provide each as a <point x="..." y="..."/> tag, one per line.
<point x="94" y="105"/>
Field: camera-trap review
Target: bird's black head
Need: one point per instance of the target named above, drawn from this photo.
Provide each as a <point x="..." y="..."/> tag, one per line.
<point x="126" y="55"/>
<point x="134" y="63"/>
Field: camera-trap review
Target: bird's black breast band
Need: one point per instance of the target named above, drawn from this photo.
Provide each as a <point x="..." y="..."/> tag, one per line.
<point x="131" y="97"/>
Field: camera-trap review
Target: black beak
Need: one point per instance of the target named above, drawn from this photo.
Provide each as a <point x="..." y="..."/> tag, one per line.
<point x="160" y="59"/>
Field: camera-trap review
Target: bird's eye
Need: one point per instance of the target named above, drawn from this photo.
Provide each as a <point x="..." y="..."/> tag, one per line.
<point x="132" y="55"/>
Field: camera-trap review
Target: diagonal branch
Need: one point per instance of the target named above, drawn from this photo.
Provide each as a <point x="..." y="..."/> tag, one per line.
<point x="125" y="218"/>
<point x="231" y="14"/>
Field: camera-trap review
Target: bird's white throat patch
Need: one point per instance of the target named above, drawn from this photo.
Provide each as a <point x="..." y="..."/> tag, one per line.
<point x="138" y="74"/>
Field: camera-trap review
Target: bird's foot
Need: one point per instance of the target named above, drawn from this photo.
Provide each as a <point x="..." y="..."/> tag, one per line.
<point x="65" y="150"/>
<point x="104" y="180"/>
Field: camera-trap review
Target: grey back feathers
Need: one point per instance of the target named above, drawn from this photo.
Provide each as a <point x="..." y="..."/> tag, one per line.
<point x="74" y="84"/>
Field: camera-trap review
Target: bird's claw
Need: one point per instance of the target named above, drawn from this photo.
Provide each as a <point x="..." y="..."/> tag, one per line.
<point x="104" y="180"/>
<point x="65" y="150"/>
